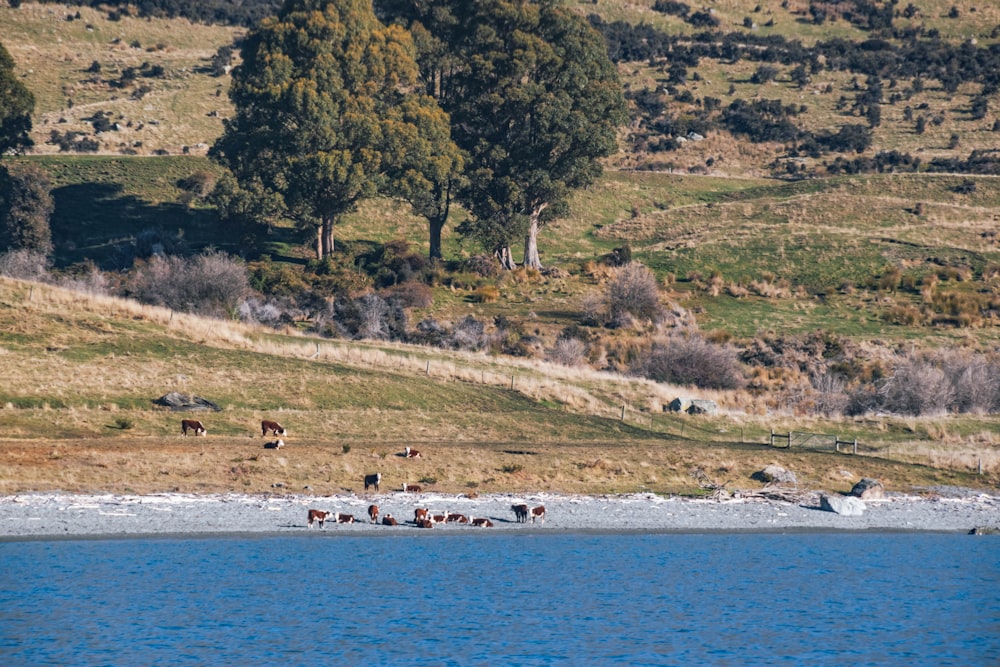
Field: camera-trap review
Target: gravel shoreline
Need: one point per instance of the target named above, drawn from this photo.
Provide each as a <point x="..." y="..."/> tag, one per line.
<point x="52" y="516"/>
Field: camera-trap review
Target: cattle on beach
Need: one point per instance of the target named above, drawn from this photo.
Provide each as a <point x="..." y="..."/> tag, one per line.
<point x="344" y="518"/>
<point x="425" y="523"/>
<point x="192" y="425"/>
<point x="373" y="480"/>
<point x="411" y="488"/>
<point x="373" y="513"/>
<point x="411" y="453"/>
<point x="388" y="520"/>
<point x="457" y="518"/>
<point x="274" y="427"/>
<point x="319" y="516"/>
<point x="481" y="522"/>
<point x="420" y="513"/>
<point x="538" y="513"/>
<point x="520" y="513"/>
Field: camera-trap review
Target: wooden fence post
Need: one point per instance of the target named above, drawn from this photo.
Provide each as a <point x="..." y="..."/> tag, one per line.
<point x="623" y="412"/>
<point x="855" y="445"/>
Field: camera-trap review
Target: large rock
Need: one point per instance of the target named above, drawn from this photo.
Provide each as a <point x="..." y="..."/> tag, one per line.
<point x="842" y="505"/>
<point x="775" y="474"/>
<point x="179" y="402"/>
<point x="702" y="407"/>
<point x="868" y="489"/>
<point x="678" y="405"/>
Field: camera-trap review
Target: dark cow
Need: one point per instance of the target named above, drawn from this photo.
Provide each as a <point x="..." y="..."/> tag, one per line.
<point x="344" y="518"/>
<point x="276" y="444"/>
<point x="318" y="516"/>
<point x="412" y="453"/>
<point x="373" y="513"/>
<point x="425" y="523"/>
<point x="482" y="523"/>
<point x="538" y="513"/>
<point x="411" y="488"/>
<point x="387" y="520"/>
<point x="373" y="480"/>
<point x="274" y="427"/>
<point x="457" y="518"/>
<point x="520" y="513"/>
<point x="192" y="425"/>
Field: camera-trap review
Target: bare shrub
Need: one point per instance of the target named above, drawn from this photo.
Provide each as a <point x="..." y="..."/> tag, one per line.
<point x="689" y="359"/>
<point x="829" y="395"/>
<point x="212" y="283"/>
<point x="411" y="295"/>
<point x="25" y="265"/>
<point x="633" y="291"/>
<point x="918" y="387"/>
<point x="469" y="334"/>
<point x="975" y="380"/>
<point x="568" y="352"/>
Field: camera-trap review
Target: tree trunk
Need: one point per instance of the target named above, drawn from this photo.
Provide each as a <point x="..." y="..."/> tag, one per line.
<point x="326" y="238"/>
<point x="506" y="258"/>
<point x="437" y="224"/>
<point x="531" y="258"/>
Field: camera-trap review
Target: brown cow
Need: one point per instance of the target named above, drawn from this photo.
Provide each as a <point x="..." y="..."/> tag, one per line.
<point x="520" y="513"/>
<point x="425" y="523"/>
<point x="276" y="444"/>
<point x="420" y="513"/>
<point x="482" y="523"/>
<point x="538" y="513"/>
<point x="344" y="518"/>
<point x="411" y="488"/>
<point x="457" y="518"/>
<point x="439" y="518"/>
<point x="193" y="425"/>
<point x="274" y="427"/>
<point x="318" y="515"/>
<point x="373" y="513"/>
<point x="387" y="520"/>
<point x="373" y="480"/>
<point x="412" y="453"/>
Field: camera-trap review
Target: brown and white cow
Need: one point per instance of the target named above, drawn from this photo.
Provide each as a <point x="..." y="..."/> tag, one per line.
<point x="420" y="513"/>
<point x="411" y="488"/>
<point x="192" y="425"/>
<point x="520" y="513"/>
<point x="412" y="453"/>
<point x="373" y="513"/>
<point x="457" y="518"/>
<point x="439" y="518"/>
<point x="274" y="427"/>
<point x="319" y="516"/>
<point x="538" y="513"/>
<point x="344" y="518"/>
<point x="387" y="520"/>
<point x="373" y="480"/>
<point x="275" y="444"/>
<point x="481" y="522"/>
<point x="425" y="523"/>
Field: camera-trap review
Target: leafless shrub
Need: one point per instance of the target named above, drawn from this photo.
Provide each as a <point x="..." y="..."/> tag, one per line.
<point x="633" y="291"/>
<point x="91" y="281"/>
<point x="918" y="387"/>
<point x="569" y="352"/>
<point x="829" y="395"/>
<point x="25" y="265"/>
<point x="262" y="312"/>
<point x="975" y="380"/>
<point x="689" y="359"/>
<point x="212" y="283"/>
<point x="468" y="334"/>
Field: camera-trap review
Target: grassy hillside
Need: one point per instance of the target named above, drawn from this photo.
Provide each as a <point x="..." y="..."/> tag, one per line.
<point x="82" y="374"/>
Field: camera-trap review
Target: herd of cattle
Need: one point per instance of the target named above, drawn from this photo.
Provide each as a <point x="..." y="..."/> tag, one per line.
<point x="422" y="517"/>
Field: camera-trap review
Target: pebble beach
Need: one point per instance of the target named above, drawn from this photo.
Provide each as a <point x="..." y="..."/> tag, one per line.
<point x="56" y="515"/>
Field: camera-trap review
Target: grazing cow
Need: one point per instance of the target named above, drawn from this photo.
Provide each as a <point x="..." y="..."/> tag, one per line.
<point x="273" y="427"/>
<point x="410" y="488"/>
<point x="344" y="518"/>
<point x="373" y="480"/>
<point x="192" y="425"/>
<point x="520" y="513"/>
<point x="425" y="523"/>
<point x="482" y="522"/>
<point x="387" y="520"/>
<point x="277" y="444"/>
<point x="538" y="513"/>
<point x="412" y="453"/>
<point x="318" y="515"/>
<point x="420" y="513"/>
<point x="457" y="518"/>
<point x="439" y="518"/>
<point x="373" y="513"/>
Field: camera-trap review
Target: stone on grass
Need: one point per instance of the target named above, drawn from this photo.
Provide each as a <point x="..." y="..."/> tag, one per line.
<point x="842" y="505"/>
<point x="775" y="474"/>
<point x="868" y="489"/>
<point x="179" y="402"/>
<point x="702" y="407"/>
<point x="678" y="405"/>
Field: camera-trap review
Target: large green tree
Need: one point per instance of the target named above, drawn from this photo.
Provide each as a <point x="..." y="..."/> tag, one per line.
<point x="16" y="105"/>
<point x="533" y="99"/>
<point x="26" y="207"/>
<point x="320" y="100"/>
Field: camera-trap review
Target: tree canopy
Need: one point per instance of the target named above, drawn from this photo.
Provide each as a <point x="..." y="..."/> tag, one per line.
<point x="534" y="102"/>
<point x="16" y="105"/>
<point x="326" y="111"/>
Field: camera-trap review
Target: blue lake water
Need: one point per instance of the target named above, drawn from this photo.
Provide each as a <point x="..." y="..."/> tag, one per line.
<point x="495" y="599"/>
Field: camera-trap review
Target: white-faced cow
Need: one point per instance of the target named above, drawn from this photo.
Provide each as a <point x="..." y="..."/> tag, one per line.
<point x="275" y="444"/>
<point x="344" y="518"/>
<point x="481" y="522"/>
<point x="538" y="513"/>
<point x="319" y="516"/>
<point x="274" y="427"/>
<point x="412" y="453"/>
<point x="520" y="513"/>
<point x="411" y="488"/>
<point x="192" y="425"/>
<point x="420" y="513"/>
<point x="425" y="523"/>
<point x="373" y="513"/>
<point x="457" y="518"/>
<point x="373" y="480"/>
<point x="387" y="520"/>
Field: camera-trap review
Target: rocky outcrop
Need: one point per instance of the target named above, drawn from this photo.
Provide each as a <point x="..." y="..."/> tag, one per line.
<point x="842" y="505"/>
<point x="775" y="474"/>
<point x="179" y="402"/>
<point x="702" y="407"/>
<point x="868" y="489"/>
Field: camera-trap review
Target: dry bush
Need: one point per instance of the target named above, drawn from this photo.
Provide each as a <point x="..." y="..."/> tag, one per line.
<point x="917" y="388"/>
<point x="212" y="283"/>
<point x="689" y="359"/>
<point x="25" y="265"/>
<point x="486" y="294"/>
<point x="633" y="291"/>
<point x="568" y="352"/>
